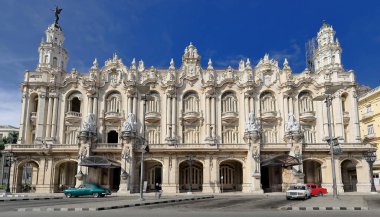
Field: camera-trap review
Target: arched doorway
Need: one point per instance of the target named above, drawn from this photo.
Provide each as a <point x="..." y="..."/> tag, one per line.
<point x="271" y="178"/>
<point x="312" y="171"/>
<point x="349" y="177"/>
<point x="65" y="175"/>
<point x="196" y="176"/>
<point x="232" y="173"/>
<point x="153" y="174"/>
<point x="112" y="137"/>
<point x="27" y="176"/>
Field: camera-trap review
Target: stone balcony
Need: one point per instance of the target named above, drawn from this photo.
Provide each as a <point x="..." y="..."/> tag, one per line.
<point x="33" y="117"/>
<point x="73" y="117"/>
<point x="106" y="147"/>
<point x="346" y="117"/>
<point x="308" y="116"/>
<point x="112" y="116"/>
<point x="191" y="117"/>
<point x="269" y="116"/>
<point x="324" y="147"/>
<point x="367" y="115"/>
<point x="230" y="117"/>
<point x="37" y="148"/>
<point x="197" y="147"/>
<point x="152" y="117"/>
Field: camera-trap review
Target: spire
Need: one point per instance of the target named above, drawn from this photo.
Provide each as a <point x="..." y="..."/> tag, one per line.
<point x="133" y="64"/>
<point x="172" y="66"/>
<point x="248" y="64"/>
<point x="210" y="64"/>
<point x="191" y="54"/>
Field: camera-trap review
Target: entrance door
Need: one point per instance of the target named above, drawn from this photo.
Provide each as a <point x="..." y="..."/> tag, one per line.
<point x="271" y="179"/>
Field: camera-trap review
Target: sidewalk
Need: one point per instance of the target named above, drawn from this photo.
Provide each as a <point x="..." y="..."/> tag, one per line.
<point x="344" y="202"/>
<point x="124" y="202"/>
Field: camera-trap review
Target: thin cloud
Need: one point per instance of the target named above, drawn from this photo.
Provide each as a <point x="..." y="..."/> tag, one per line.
<point x="293" y="54"/>
<point x="10" y="107"/>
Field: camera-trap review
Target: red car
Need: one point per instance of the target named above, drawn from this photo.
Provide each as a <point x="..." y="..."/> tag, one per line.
<point x="316" y="190"/>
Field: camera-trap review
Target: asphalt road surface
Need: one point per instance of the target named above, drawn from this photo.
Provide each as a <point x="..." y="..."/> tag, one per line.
<point x="220" y="206"/>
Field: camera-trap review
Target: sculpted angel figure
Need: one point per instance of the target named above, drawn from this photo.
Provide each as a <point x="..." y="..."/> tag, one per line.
<point x="130" y="124"/>
<point x="252" y="124"/>
<point x="292" y="125"/>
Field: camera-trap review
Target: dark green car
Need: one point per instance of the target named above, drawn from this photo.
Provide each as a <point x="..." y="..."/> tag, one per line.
<point x="87" y="189"/>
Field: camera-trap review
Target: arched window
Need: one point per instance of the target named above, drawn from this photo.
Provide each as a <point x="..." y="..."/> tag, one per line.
<point x="113" y="102"/>
<point x="112" y="137"/>
<point x="268" y="102"/>
<point x="191" y="102"/>
<point x="191" y="134"/>
<point x="153" y="105"/>
<point x="229" y="102"/>
<point x="230" y="134"/>
<point x="305" y="102"/>
<point x="75" y="102"/>
<point x="309" y="133"/>
<point x="34" y="104"/>
<point x="72" y="134"/>
<point x="269" y="134"/>
<point x="153" y="134"/>
<point x="344" y="102"/>
<point x="46" y="58"/>
<point x="55" y="62"/>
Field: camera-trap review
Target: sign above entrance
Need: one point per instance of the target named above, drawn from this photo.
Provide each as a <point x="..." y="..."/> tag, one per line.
<point x="99" y="162"/>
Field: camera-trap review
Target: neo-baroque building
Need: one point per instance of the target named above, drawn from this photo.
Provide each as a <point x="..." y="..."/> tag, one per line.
<point x="255" y="128"/>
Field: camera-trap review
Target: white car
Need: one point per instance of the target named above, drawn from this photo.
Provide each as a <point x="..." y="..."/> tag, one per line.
<point x="298" y="191"/>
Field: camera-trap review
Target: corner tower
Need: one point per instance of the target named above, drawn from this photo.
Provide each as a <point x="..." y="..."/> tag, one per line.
<point x="328" y="53"/>
<point x="52" y="54"/>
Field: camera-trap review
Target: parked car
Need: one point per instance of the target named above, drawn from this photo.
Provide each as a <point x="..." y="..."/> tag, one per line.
<point x="316" y="190"/>
<point x="87" y="189"/>
<point x="299" y="190"/>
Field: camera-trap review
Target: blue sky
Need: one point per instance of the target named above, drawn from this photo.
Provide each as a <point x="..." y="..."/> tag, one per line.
<point x="157" y="30"/>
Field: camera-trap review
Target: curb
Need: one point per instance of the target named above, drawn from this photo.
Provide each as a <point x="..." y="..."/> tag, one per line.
<point x="289" y="208"/>
<point x="113" y="207"/>
<point x="32" y="198"/>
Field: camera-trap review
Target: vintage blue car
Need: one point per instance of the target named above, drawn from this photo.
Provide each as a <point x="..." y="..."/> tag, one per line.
<point x="87" y="189"/>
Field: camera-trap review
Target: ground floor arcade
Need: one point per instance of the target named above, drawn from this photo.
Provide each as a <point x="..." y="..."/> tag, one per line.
<point x="205" y="172"/>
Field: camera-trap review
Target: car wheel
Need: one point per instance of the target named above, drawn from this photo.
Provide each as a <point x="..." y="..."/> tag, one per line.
<point x="68" y="195"/>
<point x="288" y="198"/>
<point x="102" y="195"/>
<point x="95" y="194"/>
<point x="320" y="194"/>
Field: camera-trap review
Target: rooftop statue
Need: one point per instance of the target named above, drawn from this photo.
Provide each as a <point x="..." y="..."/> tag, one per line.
<point x="57" y="11"/>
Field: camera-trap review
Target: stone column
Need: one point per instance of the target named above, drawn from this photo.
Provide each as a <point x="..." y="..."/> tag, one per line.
<point x="355" y="117"/>
<point x="168" y="117"/>
<point x="174" y="115"/>
<point x="213" y="115"/>
<point x="40" y="128"/>
<point x="173" y="176"/>
<point x="134" y="111"/>
<point x="337" y="112"/>
<point x="24" y="119"/>
<point x="95" y="106"/>
<point x="208" y="117"/>
<point x="246" y="107"/>
<point x="291" y="105"/>
<point x="48" y="124"/>
<point x="130" y="104"/>
<point x="207" y="186"/>
<point x="89" y="104"/>
<point x="54" y="121"/>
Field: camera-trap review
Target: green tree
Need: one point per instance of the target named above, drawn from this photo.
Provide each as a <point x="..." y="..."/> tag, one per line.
<point x="12" y="138"/>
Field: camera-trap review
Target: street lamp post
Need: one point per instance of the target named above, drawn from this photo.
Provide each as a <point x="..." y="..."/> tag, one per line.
<point x="10" y="155"/>
<point x="327" y="98"/>
<point x="144" y="98"/>
<point x="370" y="157"/>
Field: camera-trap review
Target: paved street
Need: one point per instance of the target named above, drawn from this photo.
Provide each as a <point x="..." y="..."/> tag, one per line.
<point x="221" y="205"/>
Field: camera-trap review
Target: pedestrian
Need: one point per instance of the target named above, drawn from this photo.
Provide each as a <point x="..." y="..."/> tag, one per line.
<point x="157" y="188"/>
<point x="159" y="191"/>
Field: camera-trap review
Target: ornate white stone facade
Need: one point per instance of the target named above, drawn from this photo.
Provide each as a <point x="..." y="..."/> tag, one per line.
<point x="228" y="120"/>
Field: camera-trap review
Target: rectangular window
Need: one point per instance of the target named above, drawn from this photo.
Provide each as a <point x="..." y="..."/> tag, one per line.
<point x="369" y="108"/>
<point x="370" y="130"/>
